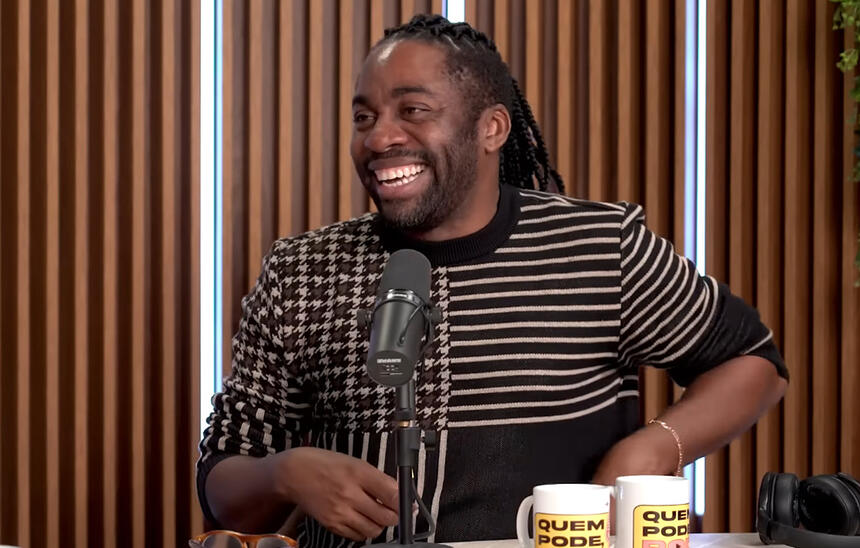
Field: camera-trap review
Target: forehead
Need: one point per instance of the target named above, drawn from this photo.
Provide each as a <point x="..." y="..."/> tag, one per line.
<point x="400" y="63"/>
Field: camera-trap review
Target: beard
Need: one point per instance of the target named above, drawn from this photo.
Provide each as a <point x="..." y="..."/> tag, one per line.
<point x="454" y="175"/>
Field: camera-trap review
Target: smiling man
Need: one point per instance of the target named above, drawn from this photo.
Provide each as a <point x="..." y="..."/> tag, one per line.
<point x="549" y="307"/>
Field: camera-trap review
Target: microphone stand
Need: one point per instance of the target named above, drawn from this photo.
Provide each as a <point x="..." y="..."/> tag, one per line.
<point x="407" y="444"/>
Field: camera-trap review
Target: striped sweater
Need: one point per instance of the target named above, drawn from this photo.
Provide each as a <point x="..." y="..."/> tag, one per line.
<point x="547" y="313"/>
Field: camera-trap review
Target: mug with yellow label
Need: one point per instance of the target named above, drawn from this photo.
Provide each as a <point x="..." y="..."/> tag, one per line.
<point x="652" y="512"/>
<point x="566" y="515"/>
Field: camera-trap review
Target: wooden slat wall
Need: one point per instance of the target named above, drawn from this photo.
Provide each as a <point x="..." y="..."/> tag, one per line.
<point x="781" y="230"/>
<point x="99" y="331"/>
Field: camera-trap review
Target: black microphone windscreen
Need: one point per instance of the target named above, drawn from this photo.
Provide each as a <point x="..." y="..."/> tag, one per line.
<point x="407" y="269"/>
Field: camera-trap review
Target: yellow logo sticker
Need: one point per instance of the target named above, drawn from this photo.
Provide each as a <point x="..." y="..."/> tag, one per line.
<point x="561" y="531"/>
<point x="661" y="526"/>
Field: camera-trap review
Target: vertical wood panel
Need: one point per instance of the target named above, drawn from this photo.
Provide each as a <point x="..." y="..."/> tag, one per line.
<point x="565" y="93"/>
<point x="502" y="22"/>
<point x="826" y="250"/>
<point x="346" y="76"/>
<point x="533" y="87"/>
<point x="255" y="138"/>
<point x="630" y="99"/>
<point x="22" y="260"/>
<point x="191" y="52"/>
<point x="52" y="276"/>
<point x="716" y="172"/>
<point x="377" y="24"/>
<point x="234" y="263"/>
<point x="471" y="14"/>
<point x="140" y="344"/>
<point x="286" y="113"/>
<point x="300" y="97"/>
<point x="82" y="357"/>
<point x="679" y="136"/>
<point x="769" y="207"/>
<point x="600" y="153"/>
<point x="110" y="407"/>
<point x="330" y="114"/>
<point x="315" y="112"/>
<point x="170" y="259"/>
<point x="798" y="197"/>
<point x="582" y="150"/>
<point x="741" y="268"/>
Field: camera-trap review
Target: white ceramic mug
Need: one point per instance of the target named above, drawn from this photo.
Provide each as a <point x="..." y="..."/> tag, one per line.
<point x="566" y="515"/>
<point x="652" y="512"/>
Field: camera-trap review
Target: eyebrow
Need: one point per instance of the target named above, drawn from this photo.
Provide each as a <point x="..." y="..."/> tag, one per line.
<point x="396" y="92"/>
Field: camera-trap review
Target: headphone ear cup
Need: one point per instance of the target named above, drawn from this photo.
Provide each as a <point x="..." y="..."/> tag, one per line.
<point x="827" y="504"/>
<point x="852" y="484"/>
<point x="785" y="500"/>
<point x="854" y="489"/>
<point x="765" y="508"/>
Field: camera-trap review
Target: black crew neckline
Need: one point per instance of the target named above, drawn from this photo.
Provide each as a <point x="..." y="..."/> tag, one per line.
<point x="466" y="248"/>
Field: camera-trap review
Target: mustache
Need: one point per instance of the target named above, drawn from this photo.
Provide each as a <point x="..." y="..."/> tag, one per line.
<point x="419" y="155"/>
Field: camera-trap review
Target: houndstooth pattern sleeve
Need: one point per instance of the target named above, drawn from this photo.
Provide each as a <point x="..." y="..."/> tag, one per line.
<point x="262" y="407"/>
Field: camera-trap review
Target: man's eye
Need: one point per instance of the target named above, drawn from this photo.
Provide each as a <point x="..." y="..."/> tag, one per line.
<point x="361" y="118"/>
<point x="412" y="111"/>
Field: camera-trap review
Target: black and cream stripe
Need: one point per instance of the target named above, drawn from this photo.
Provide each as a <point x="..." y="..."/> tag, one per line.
<point x="547" y="314"/>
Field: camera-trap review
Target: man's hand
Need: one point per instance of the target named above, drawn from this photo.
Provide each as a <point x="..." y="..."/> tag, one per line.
<point x="702" y="419"/>
<point x="346" y="495"/>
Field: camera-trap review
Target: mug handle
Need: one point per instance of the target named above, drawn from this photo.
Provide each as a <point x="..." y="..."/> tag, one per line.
<point x="523" y="522"/>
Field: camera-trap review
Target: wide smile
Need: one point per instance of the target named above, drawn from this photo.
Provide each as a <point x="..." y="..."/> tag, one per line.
<point x="398" y="176"/>
<point x="403" y="182"/>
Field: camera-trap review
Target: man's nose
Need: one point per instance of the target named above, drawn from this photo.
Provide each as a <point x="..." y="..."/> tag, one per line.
<point x="385" y="134"/>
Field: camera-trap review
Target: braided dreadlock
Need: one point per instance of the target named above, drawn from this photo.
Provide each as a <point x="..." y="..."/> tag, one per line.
<point x="475" y="64"/>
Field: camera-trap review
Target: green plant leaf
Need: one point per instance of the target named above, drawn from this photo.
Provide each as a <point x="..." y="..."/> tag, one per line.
<point x="847" y="60"/>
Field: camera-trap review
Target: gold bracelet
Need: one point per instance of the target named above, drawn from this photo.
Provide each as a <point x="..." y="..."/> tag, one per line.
<point x="671" y="430"/>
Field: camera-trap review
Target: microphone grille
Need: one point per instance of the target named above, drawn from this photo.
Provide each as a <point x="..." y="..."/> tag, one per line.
<point x="407" y="269"/>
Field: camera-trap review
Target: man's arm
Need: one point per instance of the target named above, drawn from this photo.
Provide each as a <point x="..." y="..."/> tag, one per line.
<point x="250" y="474"/>
<point x="708" y="339"/>
<point x="718" y="406"/>
<point x="346" y="495"/>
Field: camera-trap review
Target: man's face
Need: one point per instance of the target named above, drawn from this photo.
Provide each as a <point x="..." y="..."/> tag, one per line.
<point x="413" y="146"/>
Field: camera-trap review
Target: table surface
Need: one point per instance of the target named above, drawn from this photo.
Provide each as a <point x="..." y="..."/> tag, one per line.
<point x="700" y="540"/>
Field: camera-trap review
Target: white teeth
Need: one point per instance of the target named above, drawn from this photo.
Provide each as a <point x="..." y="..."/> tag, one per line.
<point x="401" y="180"/>
<point x="400" y="172"/>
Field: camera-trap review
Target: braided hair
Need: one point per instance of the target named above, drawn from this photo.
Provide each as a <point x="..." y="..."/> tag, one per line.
<point x="474" y="63"/>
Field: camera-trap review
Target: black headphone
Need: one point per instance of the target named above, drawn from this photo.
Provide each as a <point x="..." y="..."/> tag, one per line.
<point x="828" y="507"/>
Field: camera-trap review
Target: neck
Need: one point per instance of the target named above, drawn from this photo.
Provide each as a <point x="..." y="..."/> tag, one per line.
<point x="473" y="215"/>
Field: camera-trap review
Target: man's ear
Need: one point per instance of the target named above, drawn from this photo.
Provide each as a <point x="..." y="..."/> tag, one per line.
<point x="494" y="128"/>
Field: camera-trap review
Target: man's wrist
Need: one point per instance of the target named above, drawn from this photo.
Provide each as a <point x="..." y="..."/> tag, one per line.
<point x="649" y="450"/>
<point x="279" y="468"/>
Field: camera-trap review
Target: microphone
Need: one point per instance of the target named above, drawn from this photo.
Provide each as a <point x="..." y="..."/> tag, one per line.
<point x="401" y="318"/>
